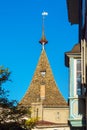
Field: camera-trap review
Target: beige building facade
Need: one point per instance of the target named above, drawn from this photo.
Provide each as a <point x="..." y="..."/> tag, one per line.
<point x="56" y="115"/>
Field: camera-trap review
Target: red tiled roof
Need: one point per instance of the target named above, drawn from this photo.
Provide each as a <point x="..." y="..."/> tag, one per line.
<point x="43" y="123"/>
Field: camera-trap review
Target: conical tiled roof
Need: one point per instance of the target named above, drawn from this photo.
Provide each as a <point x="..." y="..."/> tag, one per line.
<point x="53" y="97"/>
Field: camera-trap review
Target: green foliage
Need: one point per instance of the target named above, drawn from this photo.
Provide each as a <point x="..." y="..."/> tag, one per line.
<point x="6" y="106"/>
<point x="30" y="123"/>
<point x="10" y="112"/>
<point x="4" y="74"/>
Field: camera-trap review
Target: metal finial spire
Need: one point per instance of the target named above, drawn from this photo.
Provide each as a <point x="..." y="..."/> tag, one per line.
<point x="43" y="40"/>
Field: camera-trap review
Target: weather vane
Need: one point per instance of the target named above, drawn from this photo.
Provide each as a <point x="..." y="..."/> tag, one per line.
<point x="43" y="40"/>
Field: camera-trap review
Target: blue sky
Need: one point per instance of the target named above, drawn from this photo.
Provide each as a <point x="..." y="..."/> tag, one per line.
<point x="20" y="31"/>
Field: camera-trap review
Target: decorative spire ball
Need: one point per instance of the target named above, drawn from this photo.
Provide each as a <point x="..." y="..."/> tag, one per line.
<point x="43" y="40"/>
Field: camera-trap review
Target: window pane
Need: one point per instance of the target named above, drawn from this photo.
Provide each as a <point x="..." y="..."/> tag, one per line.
<point x="79" y="74"/>
<point x="78" y="65"/>
<point x="78" y="77"/>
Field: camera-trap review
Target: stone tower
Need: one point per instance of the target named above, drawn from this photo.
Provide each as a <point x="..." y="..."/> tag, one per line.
<point x="43" y="95"/>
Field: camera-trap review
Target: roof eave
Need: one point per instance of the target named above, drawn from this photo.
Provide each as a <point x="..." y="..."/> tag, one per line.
<point x="68" y="55"/>
<point x="73" y="13"/>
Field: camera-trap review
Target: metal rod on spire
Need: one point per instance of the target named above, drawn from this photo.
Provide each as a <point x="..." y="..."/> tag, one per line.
<point x="43" y="40"/>
<point x="43" y="17"/>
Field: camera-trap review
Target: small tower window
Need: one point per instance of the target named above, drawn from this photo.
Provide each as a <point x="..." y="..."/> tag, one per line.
<point x="43" y="73"/>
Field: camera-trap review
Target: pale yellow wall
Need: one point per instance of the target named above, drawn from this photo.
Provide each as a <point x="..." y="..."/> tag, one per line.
<point x="57" y="115"/>
<point x="36" y="110"/>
